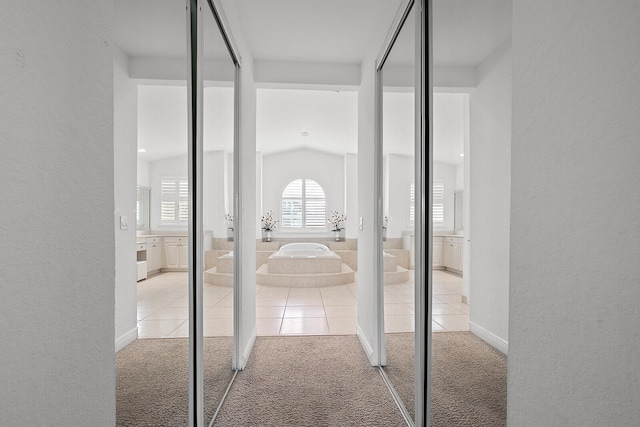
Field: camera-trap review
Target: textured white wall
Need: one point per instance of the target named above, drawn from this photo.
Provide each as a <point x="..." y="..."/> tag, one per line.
<point x="125" y="147"/>
<point x="575" y="208"/>
<point x="58" y="252"/>
<point x="490" y="134"/>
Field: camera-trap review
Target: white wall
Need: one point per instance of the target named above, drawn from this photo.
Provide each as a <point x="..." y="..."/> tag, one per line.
<point x="490" y="146"/>
<point x="351" y="195"/>
<point x="143" y="173"/>
<point x="125" y="151"/>
<point x="399" y="174"/>
<point x="280" y="169"/>
<point x="246" y="294"/>
<point x="57" y="219"/>
<point x="574" y="334"/>
<point x="369" y="329"/>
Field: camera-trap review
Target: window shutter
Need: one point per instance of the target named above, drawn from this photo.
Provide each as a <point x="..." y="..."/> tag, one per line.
<point x="438" y="202"/>
<point x="412" y="203"/>
<point x="303" y="205"/>
<point x="315" y="209"/>
<point x="174" y="199"/>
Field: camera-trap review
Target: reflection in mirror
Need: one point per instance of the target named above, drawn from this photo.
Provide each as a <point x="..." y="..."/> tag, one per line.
<point x="398" y="146"/>
<point x="457" y="211"/>
<point x="218" y="217"/>
<point x="152" y="371"/>
<point x="142" y="208"/>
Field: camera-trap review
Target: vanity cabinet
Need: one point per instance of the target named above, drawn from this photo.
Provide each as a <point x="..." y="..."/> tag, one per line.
<point x="141" y="255"/>
<point x="437" y="252"/>
<point x="452" y="253"/>
<point x="154" y="254"/>
<point x="176" y="253"/>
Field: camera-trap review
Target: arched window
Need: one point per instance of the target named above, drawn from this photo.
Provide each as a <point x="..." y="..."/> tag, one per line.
<point x="303" y="205"/>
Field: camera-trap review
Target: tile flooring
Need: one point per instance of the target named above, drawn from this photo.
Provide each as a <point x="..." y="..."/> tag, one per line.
<point x="163" y="308"/>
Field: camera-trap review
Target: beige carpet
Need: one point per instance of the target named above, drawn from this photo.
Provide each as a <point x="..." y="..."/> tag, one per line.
<point x="400" y="367"/>
<point x="152" y="380"/>
<point x="309" y="381"/>
<point x="469" y="382"/>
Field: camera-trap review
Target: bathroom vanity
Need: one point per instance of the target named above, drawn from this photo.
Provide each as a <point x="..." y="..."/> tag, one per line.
<point x="448" y="253"/>
<point x="157" y="253"/>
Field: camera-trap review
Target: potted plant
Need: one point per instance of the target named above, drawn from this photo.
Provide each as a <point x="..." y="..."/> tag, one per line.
<point x="385" y="222"/>
<point x="228" y="218"/>
<point x="268" y="225"/>
<point x="336" y="221"/>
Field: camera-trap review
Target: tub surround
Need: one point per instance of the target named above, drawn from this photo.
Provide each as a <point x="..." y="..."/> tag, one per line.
<point x="219" y="263"/>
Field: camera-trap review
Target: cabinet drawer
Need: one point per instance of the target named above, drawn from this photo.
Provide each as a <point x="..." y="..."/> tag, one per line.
<point x="141" y="247"/>
<point x="449" y="239"/>
<point x="153" y="240"/>
<point x="176" y="239"/>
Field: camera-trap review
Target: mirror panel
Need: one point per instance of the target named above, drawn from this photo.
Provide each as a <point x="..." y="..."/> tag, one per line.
<point x="218" y="217"/>
<point x="398" y="148"/>
<point x="143" y="215"/>
<point x="152" y="372"/>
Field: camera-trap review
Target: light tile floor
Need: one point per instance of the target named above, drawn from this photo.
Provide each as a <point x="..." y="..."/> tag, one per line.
<point x="163" y="308"/>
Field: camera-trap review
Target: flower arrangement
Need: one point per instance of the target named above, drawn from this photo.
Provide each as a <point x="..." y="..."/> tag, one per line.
<point x="268" y="223"/>
<point x="385" y="222"/>
<point x="336" y="221"/>
<point x="228" y="218"/>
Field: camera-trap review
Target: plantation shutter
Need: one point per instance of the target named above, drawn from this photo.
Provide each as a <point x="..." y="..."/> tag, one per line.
<point x="315" y="212"/>
<point x="438" y="202"/>
<point x="303" y="205"/>
<point x="174" y="199"/>
<point x="412" y="203"/>
<point x="292" y="205"/>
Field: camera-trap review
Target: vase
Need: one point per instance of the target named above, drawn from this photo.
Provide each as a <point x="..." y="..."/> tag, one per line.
<point x="267" y="235"/>
<point x="337" y="235"/>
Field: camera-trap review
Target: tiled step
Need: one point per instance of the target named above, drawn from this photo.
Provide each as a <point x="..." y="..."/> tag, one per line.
<point x="212" y="277"/>
<point x="401" y="275"/>
<point x="304" y="280"/>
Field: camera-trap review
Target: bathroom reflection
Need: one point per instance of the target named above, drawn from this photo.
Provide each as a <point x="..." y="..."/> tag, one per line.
<point x="398" y="146"/>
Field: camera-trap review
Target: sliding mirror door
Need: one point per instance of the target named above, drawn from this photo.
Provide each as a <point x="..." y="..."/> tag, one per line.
<point x="398" y="110"/>
<point x="150" y="108"/>
<point x="219" y="247"/>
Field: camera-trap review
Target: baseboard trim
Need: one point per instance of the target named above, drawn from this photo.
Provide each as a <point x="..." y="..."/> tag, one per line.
<point x="366" y="346"/>
<point x="126" y="339"/>
<point x="489" y="337"/>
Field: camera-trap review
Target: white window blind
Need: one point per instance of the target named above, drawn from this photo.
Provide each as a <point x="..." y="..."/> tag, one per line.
<point x="303" y="205"/>
<point x="174" y="199"/>
<point x="412" y="204"/>
<point x="438" y="202"/>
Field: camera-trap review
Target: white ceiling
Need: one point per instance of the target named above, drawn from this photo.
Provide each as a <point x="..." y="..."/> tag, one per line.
<point x="335" y="31"/>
